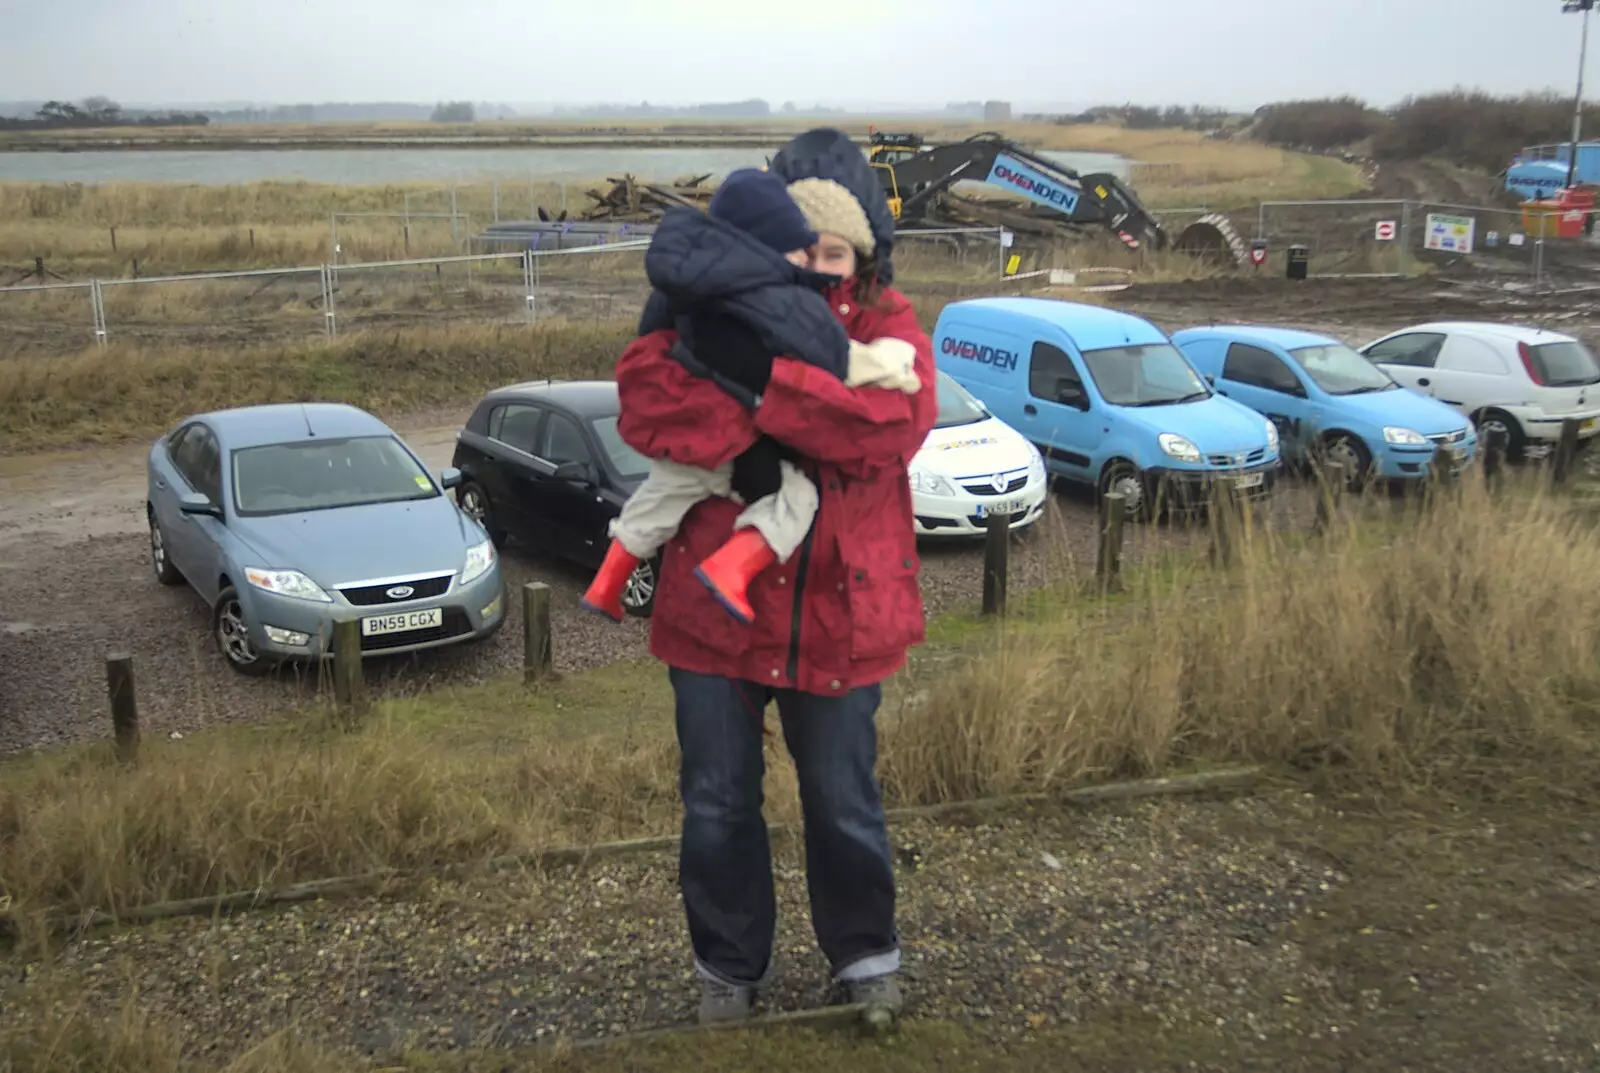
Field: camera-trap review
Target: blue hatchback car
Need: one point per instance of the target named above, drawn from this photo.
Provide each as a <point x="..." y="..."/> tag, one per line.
<point x="1107" y="399"/>
<point x="1327" y="399"/>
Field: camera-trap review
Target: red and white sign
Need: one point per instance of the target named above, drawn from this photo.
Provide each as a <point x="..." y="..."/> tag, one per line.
<point x="1258" y="253"/>
<point x="1384" y="232"/>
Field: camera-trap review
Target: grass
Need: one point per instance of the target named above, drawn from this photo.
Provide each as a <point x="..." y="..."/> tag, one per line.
<point x="127" y="391"/>
<point x="1369" y="657"/>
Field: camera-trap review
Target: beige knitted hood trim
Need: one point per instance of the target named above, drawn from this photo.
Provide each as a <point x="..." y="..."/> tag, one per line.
<point x="832" y="209"/>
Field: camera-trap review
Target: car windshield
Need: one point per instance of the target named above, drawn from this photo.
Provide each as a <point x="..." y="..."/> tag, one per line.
<point x="629" y="464"/>
<point x="287" y="478"/>
<point x="1151" y="374"/>
<point x="956" y="405"/>
<point x="1338" y="370"/>
<point x="1565" y="364"/>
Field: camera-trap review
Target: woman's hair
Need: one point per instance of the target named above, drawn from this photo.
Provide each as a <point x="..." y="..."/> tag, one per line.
<point x="868" y="288"/>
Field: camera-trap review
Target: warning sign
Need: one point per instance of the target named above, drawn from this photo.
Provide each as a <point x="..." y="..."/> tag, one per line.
<point x="1384" y="232"/>
<point x="1452" y="233"/>
<point x="1013" y="264"/>
<point x="1258" y="252"/>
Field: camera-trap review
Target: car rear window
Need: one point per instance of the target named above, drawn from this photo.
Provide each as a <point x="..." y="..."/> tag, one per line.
<point x="1567" y="364"/>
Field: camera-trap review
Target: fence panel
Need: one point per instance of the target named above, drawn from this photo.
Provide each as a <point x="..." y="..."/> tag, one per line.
<point x="48" y="318"/>
<point x="245" y="308"/>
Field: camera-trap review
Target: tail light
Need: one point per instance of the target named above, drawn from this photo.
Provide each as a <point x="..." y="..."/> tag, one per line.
<point x="1525" y="352"/>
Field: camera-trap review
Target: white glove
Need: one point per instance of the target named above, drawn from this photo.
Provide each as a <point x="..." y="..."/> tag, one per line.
<point x="886" y="362"/>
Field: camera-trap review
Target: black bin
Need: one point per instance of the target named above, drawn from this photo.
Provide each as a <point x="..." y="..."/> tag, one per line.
<point x="1299" y="261"/>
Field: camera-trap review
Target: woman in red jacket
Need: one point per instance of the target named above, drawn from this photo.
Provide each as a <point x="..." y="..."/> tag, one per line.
<point x="829" y="624"/>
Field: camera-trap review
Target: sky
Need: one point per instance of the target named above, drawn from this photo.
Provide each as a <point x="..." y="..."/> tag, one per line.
<point x="1231" y="53"/>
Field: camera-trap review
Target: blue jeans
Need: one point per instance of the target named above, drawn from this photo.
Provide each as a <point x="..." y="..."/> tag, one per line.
<point x="725" y="863"/>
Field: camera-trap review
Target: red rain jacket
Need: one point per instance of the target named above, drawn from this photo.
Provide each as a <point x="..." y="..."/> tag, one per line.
<point x="845" y="608"/>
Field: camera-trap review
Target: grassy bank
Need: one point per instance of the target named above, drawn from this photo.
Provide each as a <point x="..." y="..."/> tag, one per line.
<point x="1465" y="662"/>
<point x="130" y="392"/>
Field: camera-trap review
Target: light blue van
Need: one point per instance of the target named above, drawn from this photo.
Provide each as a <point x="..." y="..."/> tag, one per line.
<point x="1107" y="399"/>
<point x="1326" y="398"/>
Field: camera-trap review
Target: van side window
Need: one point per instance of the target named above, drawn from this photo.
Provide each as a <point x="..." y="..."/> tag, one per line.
<point x="1414" y="348"/>
<point x="1047" y="367"/>
<point x="1255" y="367"/>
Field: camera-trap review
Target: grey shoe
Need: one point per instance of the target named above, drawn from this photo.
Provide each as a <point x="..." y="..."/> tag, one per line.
<point x="724" y="1002"/>
<point x="877" y="993"/>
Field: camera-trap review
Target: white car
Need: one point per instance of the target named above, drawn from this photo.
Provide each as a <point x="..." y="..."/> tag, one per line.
<point x="1521" y="379"/>
<point x="973" y="465"/>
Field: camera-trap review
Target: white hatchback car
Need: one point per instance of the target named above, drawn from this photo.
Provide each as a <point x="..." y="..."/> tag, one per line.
<point x="1521" y="379"/>
<point x="973" y="465"/>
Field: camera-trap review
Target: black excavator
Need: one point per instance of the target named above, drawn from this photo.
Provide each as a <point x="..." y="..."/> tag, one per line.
<point x="919" y="182"/>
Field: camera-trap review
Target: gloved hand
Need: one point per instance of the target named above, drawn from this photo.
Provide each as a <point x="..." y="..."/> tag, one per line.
<point x="756" y="472"/>
<point x="729" y="347"/>
<point x="886" y="362"/>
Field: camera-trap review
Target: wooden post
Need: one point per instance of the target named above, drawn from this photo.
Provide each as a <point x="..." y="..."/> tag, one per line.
<point x="1566" y="451"/>
<point x="1329" y="495"/>
<point x="1224" y="533"/>
<point x="252" y="238"/>
<point x="113" y="240"/>
<point x="136" y="268"/>
<point x="997" y="542"/>
<point x="349" y="684"/>
<point x="538" y="656"/>
<point x="124" y="706"/>
<point x="1494" y="454"/>
<point x="1109" y="566"/>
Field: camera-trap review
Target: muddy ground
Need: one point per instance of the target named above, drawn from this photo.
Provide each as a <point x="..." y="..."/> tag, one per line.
<point x="76" y="582"/>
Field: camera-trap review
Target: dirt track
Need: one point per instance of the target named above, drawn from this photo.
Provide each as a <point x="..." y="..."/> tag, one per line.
<point x="73" y="557"/>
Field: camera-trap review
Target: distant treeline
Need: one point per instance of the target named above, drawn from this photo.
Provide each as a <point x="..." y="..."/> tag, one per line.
<point x="1145" y="117"/>
<point x="1468" y="128"/>
<point x="98" y="112"/>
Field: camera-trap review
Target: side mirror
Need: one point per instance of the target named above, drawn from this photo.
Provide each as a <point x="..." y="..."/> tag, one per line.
<point x="450" y="477"/>
<point x="1211" y="380"/>
<point x="199" y="503"/>
<point x="1069" y="393"/>
<point x="573" y="471"/>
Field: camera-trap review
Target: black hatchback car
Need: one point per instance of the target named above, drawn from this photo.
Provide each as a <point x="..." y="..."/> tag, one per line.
<point x="542" y="462"/>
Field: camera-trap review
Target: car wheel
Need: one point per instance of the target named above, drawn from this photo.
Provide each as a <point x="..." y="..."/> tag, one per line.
<point x="1352" y="457"/>
<point x="160" y="563"/>
<point x="233" y="635"/>
<point x="639" y="594"/>
<point x="1508" y="426"/>
<point x="1124" y="477"/>
<point x="474" y="502"/>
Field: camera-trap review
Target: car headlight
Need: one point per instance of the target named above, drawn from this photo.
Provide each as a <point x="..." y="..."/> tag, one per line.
<point x="1272" y="436"/>
<point x="930" y="484"/>
<point x="1179" y="447"/>
<point x="479" y="558"/>
<point x="286" y="583"/>
<point x="1035" y="465"/>
<point x="1406" y="436"/>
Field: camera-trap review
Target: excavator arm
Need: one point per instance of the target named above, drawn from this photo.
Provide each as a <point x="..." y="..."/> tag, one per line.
<point x="920" y="178"/>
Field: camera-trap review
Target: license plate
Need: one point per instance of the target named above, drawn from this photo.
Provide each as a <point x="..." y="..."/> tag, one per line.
<point x="402" y="622"/>
<point x="1009" y="506"/>
<point x="1249" y="480"/>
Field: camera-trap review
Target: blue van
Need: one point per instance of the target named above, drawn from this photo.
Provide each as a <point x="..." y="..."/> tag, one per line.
<point x="1328" y="400"/>
<point x="1107" y="399"/>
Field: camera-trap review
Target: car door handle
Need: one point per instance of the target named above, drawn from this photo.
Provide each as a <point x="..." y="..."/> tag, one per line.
<point x="1031" y="410"/>
<point x="1422" y="381"/>
<point x="161" y="485"/>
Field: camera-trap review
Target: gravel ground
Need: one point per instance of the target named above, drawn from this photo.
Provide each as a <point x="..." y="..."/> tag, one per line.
<point x="74" y="570"/>
<point x="1022" y="922"/>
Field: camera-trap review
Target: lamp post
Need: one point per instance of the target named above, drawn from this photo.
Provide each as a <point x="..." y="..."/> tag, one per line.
<point x="1567" y="7"/>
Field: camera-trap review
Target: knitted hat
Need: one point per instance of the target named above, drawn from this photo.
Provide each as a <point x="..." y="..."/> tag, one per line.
<point x="829" y="153"/>
<point x="758" y="203"/>
<point x="833" y="210"/>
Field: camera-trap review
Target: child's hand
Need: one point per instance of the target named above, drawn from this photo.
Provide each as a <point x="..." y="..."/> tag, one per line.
<point x="757" y="472"/>
<point x="886" y="362"/>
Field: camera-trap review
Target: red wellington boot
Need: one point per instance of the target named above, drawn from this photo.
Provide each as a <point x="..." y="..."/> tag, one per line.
<point x="605" y="591"/>
<point x="728" y="571"/>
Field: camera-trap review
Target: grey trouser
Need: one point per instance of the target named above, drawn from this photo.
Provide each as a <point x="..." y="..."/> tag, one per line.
<point x="653" y="513"/>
